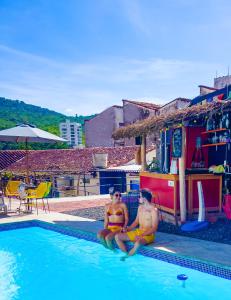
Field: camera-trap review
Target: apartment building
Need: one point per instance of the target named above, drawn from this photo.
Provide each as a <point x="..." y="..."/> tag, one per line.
<point x="72" y="132"/>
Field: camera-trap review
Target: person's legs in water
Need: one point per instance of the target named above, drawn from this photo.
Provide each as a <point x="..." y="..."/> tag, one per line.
<point x="135" y="237"/>
<point x="134" y="250"/>
<point x="120" y="239"/>
<point x="102" y="235"/>
<point x="109" y="240"/>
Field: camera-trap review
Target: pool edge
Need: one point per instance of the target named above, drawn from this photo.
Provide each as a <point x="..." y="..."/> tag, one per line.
<point x="208" y="267"/>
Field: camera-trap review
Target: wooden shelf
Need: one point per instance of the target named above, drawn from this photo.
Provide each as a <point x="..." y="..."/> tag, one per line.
<point x="212" y="145"/>
<point x="215" y="130"/>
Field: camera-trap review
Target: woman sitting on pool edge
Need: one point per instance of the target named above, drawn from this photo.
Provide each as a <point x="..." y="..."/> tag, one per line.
<point x="115" y="219"/>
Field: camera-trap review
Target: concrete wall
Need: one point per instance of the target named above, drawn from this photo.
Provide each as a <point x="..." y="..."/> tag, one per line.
<point x="133" y="113"/>
<point x="173" y="106"/>
<point x="98" y="131"/>
<point x="92" y="187"/>
<point x="119" y="120"/>
<point x="205" y="90"/>
<point x="221" y="82"/>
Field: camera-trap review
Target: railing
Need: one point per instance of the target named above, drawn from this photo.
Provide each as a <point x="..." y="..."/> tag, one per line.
<point x="86" y="189"/>
<point x="79" y="185"/>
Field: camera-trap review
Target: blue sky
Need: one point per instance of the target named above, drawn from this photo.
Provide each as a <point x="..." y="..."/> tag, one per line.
<point x="82" y="56"/>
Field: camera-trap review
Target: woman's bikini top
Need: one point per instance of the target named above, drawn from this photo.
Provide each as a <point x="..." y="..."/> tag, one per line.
<point x="119" y="212"/>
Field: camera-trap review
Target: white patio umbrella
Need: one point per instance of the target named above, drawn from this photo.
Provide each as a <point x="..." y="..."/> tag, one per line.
<point x="25" y="133"/>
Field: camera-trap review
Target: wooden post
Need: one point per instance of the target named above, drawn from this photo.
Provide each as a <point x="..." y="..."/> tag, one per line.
<point x="143" y="153"/>
<point x="182" y="180"/>
<point x="27" y="163"/>
<point x="78" y="183"/>
<point x="138" y="156"/>
<point x="84" y="184"/>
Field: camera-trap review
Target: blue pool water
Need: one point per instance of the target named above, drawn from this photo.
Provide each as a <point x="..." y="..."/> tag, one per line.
<point x="41" y="264"/>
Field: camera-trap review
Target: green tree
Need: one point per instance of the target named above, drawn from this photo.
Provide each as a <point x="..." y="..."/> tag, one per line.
<point x="14" y="112"/>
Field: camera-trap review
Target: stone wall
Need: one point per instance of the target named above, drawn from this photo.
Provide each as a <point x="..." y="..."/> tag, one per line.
<point x="174" y="105"/>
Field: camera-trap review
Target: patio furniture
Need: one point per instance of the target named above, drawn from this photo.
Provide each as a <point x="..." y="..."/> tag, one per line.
<point x="33" y="195"/>
<point x="3" y="206"/>
<point x="12" y="190"/>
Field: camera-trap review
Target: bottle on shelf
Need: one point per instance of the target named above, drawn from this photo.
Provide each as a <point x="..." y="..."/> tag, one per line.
<point x="215" y="139"/>
<point x="221" y="122"/>
<point x="198" y="160"/>
<point x="224" y="122"/>
<point x="210" y="124"/>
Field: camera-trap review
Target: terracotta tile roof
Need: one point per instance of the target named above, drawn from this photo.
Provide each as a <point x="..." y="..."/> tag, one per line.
<point x="72" y="160"/>
<point x="147" y="105"/>
<point x="8" y="157"/>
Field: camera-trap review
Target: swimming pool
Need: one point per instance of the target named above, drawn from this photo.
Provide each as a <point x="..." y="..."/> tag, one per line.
<point x="36" y="263"/>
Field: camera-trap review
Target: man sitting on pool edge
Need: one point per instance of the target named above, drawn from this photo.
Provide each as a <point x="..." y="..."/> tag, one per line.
<point x="147" y="219"/>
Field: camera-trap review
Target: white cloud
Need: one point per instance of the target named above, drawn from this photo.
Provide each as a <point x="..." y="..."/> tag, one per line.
<point x="69" y="111"/>
<point x="80" y="88"/>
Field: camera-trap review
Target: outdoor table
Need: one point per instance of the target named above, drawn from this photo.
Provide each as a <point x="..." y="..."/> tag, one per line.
<point x="28" y="186"/>
<point x="23" y="187"/>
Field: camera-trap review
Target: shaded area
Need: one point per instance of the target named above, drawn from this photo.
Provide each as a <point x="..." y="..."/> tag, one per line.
<point x="219" y="232"/>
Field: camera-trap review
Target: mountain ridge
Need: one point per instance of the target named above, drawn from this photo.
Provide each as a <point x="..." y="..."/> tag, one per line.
<point x="14" y="112"/>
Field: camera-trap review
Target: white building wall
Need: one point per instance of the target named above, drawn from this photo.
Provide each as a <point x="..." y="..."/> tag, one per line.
<point x="72" y="132"/>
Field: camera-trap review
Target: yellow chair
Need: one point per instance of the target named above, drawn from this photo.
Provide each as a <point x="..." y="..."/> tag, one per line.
<point x="11" y="190"/>
<point x="47" y="193"/>
<point x="34" y="195"/>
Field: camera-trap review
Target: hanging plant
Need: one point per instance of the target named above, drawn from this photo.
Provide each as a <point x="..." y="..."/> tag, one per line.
<point x="154" y="166"/>
<point x="7" y="175"/>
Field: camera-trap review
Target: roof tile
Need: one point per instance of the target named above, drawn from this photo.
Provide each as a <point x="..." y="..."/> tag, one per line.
<point x="72" y="160"/>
